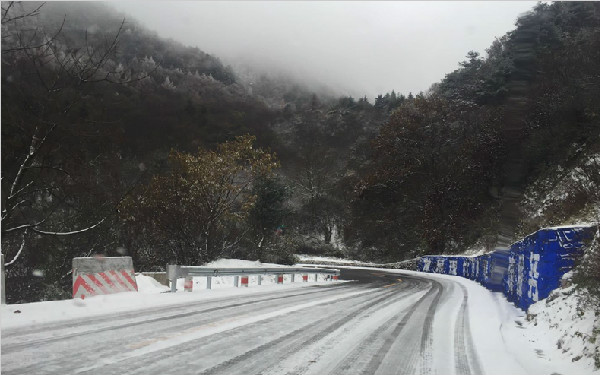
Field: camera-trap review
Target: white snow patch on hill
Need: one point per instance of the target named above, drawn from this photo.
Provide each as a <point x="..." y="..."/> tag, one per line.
<point x="559" y="186"/>
<point x="332" y="260"/>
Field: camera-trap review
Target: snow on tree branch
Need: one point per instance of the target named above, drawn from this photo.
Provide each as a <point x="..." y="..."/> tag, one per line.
<point x="18" y="252"/>
<point x="67" y="233"/>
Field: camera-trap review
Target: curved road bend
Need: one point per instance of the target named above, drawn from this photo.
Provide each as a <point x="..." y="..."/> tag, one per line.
<point x="380" y="323"/>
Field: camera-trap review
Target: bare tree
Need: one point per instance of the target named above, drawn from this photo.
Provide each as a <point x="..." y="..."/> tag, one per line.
<point x="35" y="185"/>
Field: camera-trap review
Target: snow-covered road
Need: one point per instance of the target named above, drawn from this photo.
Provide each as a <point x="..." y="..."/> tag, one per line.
<point x="383" y="323"/>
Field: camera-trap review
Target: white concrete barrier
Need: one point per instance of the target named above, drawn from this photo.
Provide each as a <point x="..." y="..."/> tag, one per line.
<point x="102" y="275"/>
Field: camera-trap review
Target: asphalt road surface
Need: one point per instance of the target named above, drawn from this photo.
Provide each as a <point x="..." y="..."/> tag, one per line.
<point x="378" y="324"/>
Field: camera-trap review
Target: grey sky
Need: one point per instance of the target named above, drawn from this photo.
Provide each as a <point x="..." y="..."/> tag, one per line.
<point x="354" y="47"/>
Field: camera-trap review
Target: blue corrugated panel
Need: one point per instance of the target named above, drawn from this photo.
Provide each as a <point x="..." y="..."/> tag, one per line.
<point x="484" y="269"/>
<point x="480" y="264"/>
<point x="451" y="266"/>
<point x="474" y="268"/>
<point x="433" y="263"/>
<point x="440" y="264"/>
<point x="460" y="261"/>
<point x="510" y="279"/>
<point x="554" y="255"/>
<point x="522" y="284"/>
<point x="498" y="268"/>
<point x="468" y="267"/>
<point x="424" y="264"/>
<point x="464" y="267"/>
<point x="461" y="266"/>
<point x="527" y="272"/>
<point x="454" y="266"/>
<point x="488" y="270"/>
<point x="420" y="264"/>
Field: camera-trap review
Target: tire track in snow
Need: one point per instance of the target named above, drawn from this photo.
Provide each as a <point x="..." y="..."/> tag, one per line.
<point x="427" y="339"/>
<point x="466" y="359"/>
<point x="18" y="346"/>
<point x="399" y="344"/>
<point x="409" y="346"/>
<point x="265" y="356"/>
<point x="90" y="350"/>
<point x="294" y="344"/>
<point x="197" y="335"/>
<point x="193" y="353"/>
<point x="122" y="316"/>
<point x="389" y="329"/>
<point x="361" y="351"/>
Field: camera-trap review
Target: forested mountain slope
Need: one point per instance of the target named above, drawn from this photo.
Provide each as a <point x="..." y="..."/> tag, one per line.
<point x="108" y="130"/>
<point x="443" y="161"/>
<point x="95" y="107"/>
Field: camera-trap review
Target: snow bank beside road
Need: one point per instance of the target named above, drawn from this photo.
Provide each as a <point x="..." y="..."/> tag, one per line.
<point x="150" y="294"/>
<point x="504" y="341"/>
<point x="533" y="346"/>
<point x="149" y="285"/>
<point x="566" y="325"/>
<point x="30" y="314"/>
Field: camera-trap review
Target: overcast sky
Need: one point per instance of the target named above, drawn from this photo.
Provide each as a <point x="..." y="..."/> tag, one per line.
<point x="357" y="48"/>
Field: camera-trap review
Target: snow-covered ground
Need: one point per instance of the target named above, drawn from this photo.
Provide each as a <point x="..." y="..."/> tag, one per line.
<point x="325" y="261"/>
<point x="564" y="326"/>
<point x="559" y="327"/>
<point x="429" y="323"/>
<point x="333" y="261"/>
<point x="549" y="199"/>
<point x="522" y="344"/>
<point x="150" y="294"/>
<point x="240" y="263"/>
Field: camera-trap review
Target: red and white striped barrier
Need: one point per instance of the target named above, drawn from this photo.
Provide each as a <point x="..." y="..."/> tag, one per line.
<point x="97" y="276"/>
<point x="188" y="284"/>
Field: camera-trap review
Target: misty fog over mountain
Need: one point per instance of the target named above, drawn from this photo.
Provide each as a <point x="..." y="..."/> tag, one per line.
<point x="354" y="48"/>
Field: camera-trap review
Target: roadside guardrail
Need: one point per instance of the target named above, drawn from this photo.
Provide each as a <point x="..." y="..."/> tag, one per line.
<point x="175" y="272"/>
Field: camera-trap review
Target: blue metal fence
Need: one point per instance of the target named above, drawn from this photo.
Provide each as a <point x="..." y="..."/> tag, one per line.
<point x="525" y="273"/>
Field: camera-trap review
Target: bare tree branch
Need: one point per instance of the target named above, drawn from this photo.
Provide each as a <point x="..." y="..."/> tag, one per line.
<point x="6" y="18"/>
<point x="18" y="252"/>
<point x="29" y="44"/>
<point x="34" y="147"/>
<point x="68" y="233"/>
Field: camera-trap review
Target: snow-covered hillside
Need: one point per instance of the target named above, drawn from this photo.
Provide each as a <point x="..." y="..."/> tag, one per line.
<point x="563" y="195"/>
<point x="565" y="325"/>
